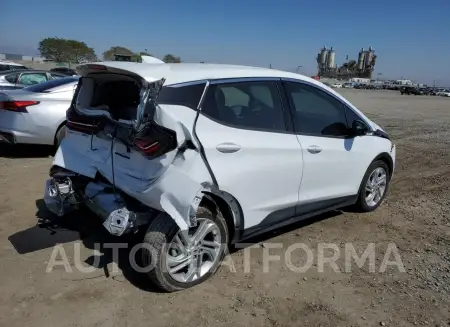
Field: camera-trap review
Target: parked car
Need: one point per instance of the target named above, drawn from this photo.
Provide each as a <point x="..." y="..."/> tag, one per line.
<point x="336" y="85"/>
<point x="36" y="114"/>
<point x="445" y="93"/>
<point x="13" y="80"/>
<point x="347" y="85"/>
<point x="9" y="65"/>
<point x="410" y="90"/>
<point x="201" y="156"/>
<point x="65" y="71"/>
<point x="426" y="91"/>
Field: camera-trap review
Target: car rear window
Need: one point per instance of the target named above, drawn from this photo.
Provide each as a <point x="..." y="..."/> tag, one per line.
<point x="44" y="87"/>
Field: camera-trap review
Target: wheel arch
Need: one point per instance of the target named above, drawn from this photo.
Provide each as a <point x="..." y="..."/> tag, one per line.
<point x="63" y="123"/>
<point x="230" y="209"/>
<point x="384" y="156"/>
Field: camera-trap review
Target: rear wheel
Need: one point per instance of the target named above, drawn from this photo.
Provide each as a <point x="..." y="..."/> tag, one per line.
<point x="374" y="187"/>
<point x="180" y="261"/>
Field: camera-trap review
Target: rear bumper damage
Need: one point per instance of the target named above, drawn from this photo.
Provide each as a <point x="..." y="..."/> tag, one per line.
<point x="178" y="191"/>
<point x="61" y="199"/>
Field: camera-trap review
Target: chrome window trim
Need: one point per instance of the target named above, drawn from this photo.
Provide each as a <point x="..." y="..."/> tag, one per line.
<point x="243" y="80"/>
<point x="187" y="83"/>
<point x="345" y="105"/>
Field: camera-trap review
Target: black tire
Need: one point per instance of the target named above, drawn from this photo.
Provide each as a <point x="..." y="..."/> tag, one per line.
<point x="60" y="136"/>
<point x="160" y="233"/>
<point x="361" y="204"/>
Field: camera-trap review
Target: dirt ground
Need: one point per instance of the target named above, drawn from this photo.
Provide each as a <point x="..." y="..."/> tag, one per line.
<point x="415" y="217"/>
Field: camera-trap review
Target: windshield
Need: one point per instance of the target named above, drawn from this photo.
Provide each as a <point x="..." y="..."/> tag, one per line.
<point x="46" y="86"/>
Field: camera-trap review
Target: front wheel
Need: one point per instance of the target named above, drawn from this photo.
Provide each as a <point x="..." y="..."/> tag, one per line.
<point x="179" y="261"/>
<point x="374" y="187"/>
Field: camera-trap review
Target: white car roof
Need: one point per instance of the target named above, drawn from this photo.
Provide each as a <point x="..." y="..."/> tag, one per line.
<point x="189" y="72"/>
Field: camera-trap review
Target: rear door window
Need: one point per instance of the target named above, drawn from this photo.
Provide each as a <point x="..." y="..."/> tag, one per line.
<point x="248" y="105"/>
<point x="32" y="78"/>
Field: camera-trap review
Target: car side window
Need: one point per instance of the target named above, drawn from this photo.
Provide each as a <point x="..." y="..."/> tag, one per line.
<point x="32" y="78"/>
<point x="316" y="112"/>
<point x="188" y="95"/>
<point x="12" y="78"/>
<point x="249" y="105"/>
<point x="352" y="117"/>
<point x="4" y="67"/>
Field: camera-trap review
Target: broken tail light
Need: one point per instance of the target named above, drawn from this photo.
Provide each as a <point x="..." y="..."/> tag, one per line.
<point x="154" y="140"/>
<point x="80" y="123"/>
<point x="17" y="106"/>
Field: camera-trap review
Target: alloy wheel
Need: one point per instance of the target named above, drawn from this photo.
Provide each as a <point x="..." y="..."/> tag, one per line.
<point x="376" y="186"/>
<point x="190" y="258"/>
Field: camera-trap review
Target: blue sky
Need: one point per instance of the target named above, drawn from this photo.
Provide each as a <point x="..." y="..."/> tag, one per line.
<point x="410" y="37"/>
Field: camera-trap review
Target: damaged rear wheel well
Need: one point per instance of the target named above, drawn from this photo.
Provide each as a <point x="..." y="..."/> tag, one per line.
<point x="215" y="202"/>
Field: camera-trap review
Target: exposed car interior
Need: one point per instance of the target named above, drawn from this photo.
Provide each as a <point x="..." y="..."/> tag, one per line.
<point x="119" y="95"/>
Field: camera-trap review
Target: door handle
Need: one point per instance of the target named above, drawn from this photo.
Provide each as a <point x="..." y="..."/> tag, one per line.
<point x="314" y="149"/>
<point x="228" y="147"/>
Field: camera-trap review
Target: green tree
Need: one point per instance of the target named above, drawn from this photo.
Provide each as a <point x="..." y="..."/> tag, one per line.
<point x="109" y="54"/>
<point x="80" y="52"/>
<point x="54" y="48"/>
<point x="170" y="58"/>
<point x="63" y="50"/>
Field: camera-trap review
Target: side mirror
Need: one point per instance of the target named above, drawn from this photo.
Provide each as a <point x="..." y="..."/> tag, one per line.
<point x="359" y="128"/>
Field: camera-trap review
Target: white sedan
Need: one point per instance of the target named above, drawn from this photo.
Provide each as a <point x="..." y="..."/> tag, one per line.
<point x="201" y="156"/>
<point x="36" y="114"/>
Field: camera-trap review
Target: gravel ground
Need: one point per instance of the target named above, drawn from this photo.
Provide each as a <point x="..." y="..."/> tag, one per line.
<point x="415" y="218"/>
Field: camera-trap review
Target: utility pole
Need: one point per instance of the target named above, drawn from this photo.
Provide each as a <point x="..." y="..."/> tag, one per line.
<point x="270" y="66"/>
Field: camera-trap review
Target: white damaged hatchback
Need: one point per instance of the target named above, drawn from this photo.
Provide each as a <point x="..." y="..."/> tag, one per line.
<point x="203" y="156"/>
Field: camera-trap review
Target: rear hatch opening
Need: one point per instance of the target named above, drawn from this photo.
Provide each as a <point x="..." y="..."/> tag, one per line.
<point x="115" y="103"/>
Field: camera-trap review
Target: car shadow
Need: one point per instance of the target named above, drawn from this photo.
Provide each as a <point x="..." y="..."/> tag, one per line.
<point x="84" y="226"/>
<point x="22" y="151"/>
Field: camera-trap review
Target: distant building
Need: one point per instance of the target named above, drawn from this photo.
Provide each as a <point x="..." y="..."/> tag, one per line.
<point x="362" y="68"/>
<point x="12" y="56"/>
